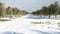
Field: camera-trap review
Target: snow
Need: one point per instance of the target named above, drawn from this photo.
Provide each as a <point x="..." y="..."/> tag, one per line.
<point x="24" y="25"/>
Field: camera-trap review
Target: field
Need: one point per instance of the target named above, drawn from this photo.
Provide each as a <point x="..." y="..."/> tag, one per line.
<point x="27" y="25"/>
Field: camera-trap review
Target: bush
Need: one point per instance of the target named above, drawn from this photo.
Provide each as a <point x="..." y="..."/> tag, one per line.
<point x="37" y="22"/>
<point x="58" y="24"/>
<point x="48" y="27"/>
<point x="40" y="22"/>
<point x="47" y="23"/>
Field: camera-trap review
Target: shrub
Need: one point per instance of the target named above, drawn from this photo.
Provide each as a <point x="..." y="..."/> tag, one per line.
<point x="41" y="23"/>
<point x="47" y="23"/>
<point x="37" y="22"/>
<point x="48" y="27"/>
<point x="58" y="24"/>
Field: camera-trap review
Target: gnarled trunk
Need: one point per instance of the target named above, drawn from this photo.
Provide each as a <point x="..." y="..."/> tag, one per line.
<point x="49" y="16"/>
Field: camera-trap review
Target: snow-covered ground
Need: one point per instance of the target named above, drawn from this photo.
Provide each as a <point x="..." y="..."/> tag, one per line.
<point x="23" y="25"/>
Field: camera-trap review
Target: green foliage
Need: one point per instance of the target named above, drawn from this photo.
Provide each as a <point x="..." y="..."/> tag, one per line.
<point x="10" y="11"/>
<point x="2" y="9"/>
<point x="52" y="9"/>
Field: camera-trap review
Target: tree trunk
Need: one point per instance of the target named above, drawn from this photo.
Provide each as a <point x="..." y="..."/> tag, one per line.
<point x="40" y="15"/>
<point x="10" y="16"/>
<point x="55" y="16"/>
<point x="59" y="15"/>
<point x="49" y="16"/>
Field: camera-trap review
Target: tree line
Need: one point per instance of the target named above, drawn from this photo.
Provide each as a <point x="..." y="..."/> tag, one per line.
<point x="52" y="9"/>
<point x="10" y="11"/>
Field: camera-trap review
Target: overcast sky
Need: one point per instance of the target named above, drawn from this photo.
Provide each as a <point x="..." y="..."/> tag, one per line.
<point x="29" y="5"/>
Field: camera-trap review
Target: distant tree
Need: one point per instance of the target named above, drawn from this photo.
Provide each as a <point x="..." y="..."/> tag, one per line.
<point x="37" y="12"/>
<point x="14" y="11"/>
<point x="44" y="10"/>
<point x="9" y="11"/>
<point x="56" y="8"/>
<point x="18" y="12"/>
<point x="24" y="12"/>
<point x="2" y="9"/>
<point x="52" y="9"/>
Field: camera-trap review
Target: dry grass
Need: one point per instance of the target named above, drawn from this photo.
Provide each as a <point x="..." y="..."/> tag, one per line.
<point x="37" y="22"/>
<point x="58" y="24"/>
<point x="3" y="20"/>
<point x="41" y="23"/>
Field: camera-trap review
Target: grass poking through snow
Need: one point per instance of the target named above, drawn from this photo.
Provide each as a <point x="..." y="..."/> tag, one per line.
<point x="58" y="24"/>
<point x="40" y="22"/>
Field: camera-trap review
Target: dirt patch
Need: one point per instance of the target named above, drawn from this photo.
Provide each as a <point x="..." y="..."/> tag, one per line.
<point x="3" y="20"/>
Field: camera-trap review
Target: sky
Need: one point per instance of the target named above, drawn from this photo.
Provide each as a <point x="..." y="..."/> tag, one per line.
<point x="29" y="5"/>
